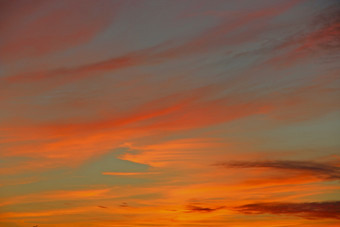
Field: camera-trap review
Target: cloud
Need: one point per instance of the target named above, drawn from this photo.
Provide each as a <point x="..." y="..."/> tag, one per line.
<point x="204" y="42"/>
<point x="177" y="97"/>
<point x="128" y="173"/>
<point x="329" y="22"/>
<point x="319" y="39"/>
<point x="195" y="208"/>
<point x="322" y="170"/>
<point x="64" y="195"/>
<point x="27" y="31"/>
<point x="124" y="204"/>
<point x="311" y="210"/>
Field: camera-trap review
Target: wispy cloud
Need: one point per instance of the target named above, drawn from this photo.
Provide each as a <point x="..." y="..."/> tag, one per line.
<point x="70" y="29"/>
<point x="201" y="209"/>
<point x="128" y="173"/>
<point x="111" y="111"/>
<point x="308" y="210"/>
<point x="323" y="170"/>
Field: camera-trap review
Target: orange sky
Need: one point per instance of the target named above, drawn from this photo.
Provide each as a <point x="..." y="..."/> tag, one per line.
<point x="169" y="113"/>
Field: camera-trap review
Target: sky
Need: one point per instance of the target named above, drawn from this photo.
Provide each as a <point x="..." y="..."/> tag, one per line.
<point x="169" y="113"/>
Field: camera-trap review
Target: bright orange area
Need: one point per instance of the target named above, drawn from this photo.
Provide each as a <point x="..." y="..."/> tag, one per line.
<point x="169" y="113"/>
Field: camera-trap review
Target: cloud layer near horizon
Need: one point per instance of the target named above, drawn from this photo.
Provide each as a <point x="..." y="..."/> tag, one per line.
<point x="311" y="210"/>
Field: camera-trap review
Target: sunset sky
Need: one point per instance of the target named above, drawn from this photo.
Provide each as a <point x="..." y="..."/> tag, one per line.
<point x="189" y="113"/>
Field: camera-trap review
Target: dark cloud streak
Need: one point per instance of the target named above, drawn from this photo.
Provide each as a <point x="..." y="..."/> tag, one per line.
<point x="311" y="210"/>
<point x="322" y="170"/>
<point x="195" y="208"/>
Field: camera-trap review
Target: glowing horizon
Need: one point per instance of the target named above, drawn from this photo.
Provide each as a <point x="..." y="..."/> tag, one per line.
<point x="169" y="113"/>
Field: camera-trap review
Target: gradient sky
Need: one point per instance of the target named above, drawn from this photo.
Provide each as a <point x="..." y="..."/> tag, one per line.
<point x="169" y="113"/>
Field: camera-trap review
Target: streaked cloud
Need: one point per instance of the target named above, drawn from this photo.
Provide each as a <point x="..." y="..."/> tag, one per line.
<point x="311" y="210"/>
<point x="326" y="171"/>
<point x="132" y="112"/>
<point x="128" y="173"/>
<point x="200" y="209"/>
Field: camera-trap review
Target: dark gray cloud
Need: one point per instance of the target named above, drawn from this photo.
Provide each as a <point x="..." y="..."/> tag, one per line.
<point x="311" y="210"/>
<point x="322" y="170"/>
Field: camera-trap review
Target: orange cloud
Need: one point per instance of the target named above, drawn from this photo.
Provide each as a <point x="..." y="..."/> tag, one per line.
<point x="128" y="173"/>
